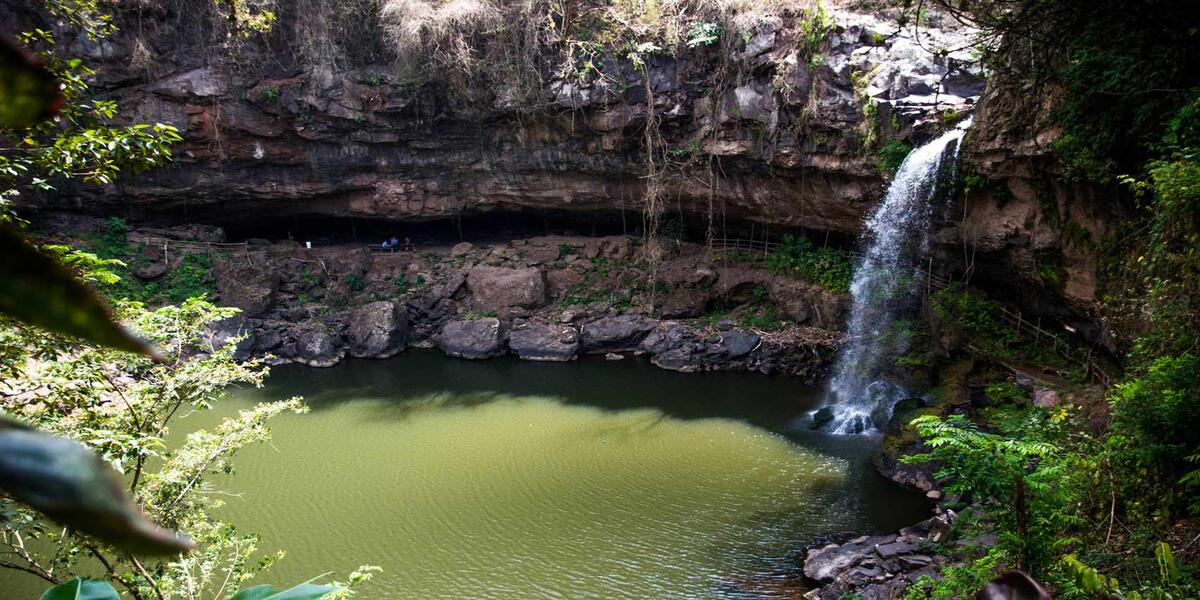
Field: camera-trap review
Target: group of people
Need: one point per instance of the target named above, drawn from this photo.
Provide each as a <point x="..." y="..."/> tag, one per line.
<point x="393" y="244"/>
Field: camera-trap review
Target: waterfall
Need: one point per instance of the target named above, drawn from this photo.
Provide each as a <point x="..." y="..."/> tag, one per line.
<point x="886" y="288"/>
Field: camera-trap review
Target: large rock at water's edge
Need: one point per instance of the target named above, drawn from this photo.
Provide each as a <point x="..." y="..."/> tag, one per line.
<point x="544" y="341"/>
<point x="738" y="343"/>
<point x="475" y="339"/>
<point x="615" y="334"/>
<point x="226" y="331"/>
<point x="247" y="287"/>
<point x="499" y="288"/>
<point x="377" y="330"/>
<point x="823" y="564"/>
<point x="317" y="347"/>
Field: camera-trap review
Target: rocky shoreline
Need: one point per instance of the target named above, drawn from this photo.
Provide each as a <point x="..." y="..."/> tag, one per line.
<point x="545" y="298"/>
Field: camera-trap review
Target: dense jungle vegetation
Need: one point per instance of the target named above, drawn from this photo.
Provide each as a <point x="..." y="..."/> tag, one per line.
<point x="1098" y="497"/>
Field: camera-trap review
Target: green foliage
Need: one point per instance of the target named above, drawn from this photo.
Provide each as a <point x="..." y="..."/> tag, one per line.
<point x="798" y="258"/>
<point x="1092" y="583"/>
<point x="1153" y="433"/>
<point x="892" y="155"/>
<point x="1049" y="263"/>
<point x="271" y="94"/>
<point x="959" y="581"/>
<point x="1018" y="475"/>
<point x="565" y="250"/>
<point x="82" y="589"/>
<point x="40" y="291"/>
<point x="1005" y="392"/>
<point x="964" y="312"/>
<point x="704" y="34"/>
<point x="354" y="282"/>
<point x="815" y="24"/>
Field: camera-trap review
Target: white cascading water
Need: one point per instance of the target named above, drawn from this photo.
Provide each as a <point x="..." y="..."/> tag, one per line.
<point x="884" y="289"/>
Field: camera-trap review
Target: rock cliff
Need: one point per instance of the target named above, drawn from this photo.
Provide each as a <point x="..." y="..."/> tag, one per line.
<point x="763" y="126"/>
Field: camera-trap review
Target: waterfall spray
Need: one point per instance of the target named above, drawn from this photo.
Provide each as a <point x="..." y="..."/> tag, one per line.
<point x="885" y="289"/>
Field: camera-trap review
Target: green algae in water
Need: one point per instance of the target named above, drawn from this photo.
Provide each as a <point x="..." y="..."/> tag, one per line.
<point x="506" y="479"/>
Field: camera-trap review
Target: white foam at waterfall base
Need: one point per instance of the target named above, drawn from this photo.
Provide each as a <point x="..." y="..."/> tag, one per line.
<point x="896" y="241"/>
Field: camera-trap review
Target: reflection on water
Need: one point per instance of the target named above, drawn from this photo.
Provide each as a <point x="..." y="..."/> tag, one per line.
<point x="507" y="479"/>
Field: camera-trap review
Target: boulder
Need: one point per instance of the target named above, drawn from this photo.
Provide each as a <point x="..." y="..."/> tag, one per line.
<point x="823" y="564"/>
<point x="461" y="249"/>
<point x="235" y="329"/>
<point x="377" y="330"/>
<point x="317" y="347"/>
<point x="247" y="287"/>
<point x="615" y="334"/>
<point x="739" y="343"/>
<point x="544" y="341"/>
<point x="473" y="339"/>
<point x="1046" y="398"/>
<point x="500" y="288"/>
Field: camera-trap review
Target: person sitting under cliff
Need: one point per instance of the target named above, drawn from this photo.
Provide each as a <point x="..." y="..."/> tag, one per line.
<point x="408" y="245"/>
<point x="395" y="242"/>
<point x="385" y="245"/>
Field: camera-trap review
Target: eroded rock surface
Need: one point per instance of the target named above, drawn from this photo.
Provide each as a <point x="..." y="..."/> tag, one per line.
<point x="377" y="330"/>
<point x="544" y="341"/>
<point x="473" y="339"/>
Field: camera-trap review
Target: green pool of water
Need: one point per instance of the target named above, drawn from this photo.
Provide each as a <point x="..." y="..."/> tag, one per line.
<point x="506" y="479"/>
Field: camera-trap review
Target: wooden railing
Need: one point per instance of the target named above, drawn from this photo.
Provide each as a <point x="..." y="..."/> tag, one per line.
<point x="172" y="245"/>
<point x="1013" y="316"/>
<point x="934" y="282"/>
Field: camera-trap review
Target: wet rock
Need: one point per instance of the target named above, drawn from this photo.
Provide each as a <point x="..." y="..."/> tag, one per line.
<point x="377" y="330"/>
<point x="822" y="417"/>
<point x="615" y="334"/>
<point x="664" y="338"/>
<point x="682" y="359"/>
<point x="544" y="341"/>
<point x="739" y="343"/>
<point x="473" y="339"/>
<point x="892" y="549"/>
<point x="500" y="288"/>
<point x="826" y="563"/>
<point x="317" y="347"/>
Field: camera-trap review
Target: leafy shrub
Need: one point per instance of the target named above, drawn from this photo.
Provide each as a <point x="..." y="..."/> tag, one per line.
<point x="826" y="266"/>
<point x="704" y="34"/>
<point x="354" y="282"/>
<point x="892" y="154"/>
<point x="1154" y="430"/>
<point x="965" y="312"/>
<point x="1017" y="475"/>
<point x="1005" y="392"/>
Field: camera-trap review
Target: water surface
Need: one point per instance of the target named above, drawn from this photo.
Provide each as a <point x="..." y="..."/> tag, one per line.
<point x="507" y="479"/>
<point x="511" y="479"/>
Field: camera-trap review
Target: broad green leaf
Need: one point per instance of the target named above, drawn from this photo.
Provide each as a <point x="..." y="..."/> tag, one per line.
<point x="81" y="589"/>
<point x="304" y="591"/>
<point x="36" y="289"/>
<point x="73" y="486"/>
<point x="28" y="92"/>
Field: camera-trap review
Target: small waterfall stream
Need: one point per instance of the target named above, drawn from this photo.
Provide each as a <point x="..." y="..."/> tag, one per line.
<point x="885" y="289"/>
